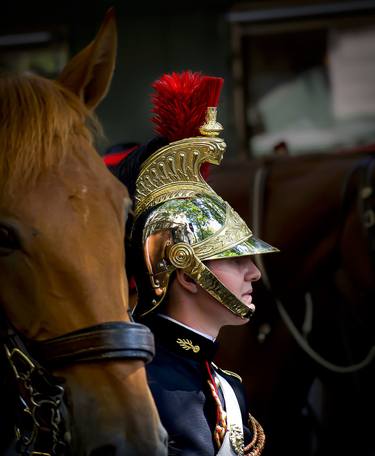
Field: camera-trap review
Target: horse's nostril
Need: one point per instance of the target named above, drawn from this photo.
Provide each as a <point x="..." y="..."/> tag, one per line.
<point x="105" y="450"/>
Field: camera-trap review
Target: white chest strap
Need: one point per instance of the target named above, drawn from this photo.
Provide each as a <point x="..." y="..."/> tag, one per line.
<point x="233" y="442"/>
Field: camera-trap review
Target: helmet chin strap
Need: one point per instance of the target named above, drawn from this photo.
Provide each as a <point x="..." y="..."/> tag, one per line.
<point x="181" y="255"/>
<point x="210" y="283"/>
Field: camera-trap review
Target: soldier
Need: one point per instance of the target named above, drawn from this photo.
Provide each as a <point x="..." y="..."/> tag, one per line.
<point x="190" y="254"/>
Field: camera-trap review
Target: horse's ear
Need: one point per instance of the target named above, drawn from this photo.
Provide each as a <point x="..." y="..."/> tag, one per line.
<point x="89" y="73"/>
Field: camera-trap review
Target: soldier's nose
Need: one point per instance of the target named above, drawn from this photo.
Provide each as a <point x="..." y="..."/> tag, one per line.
<point x="252" y="272"/>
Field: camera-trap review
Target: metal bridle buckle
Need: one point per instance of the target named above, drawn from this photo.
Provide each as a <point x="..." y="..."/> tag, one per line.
<point x="366" y="192"/>
<point x="369" y="218"/>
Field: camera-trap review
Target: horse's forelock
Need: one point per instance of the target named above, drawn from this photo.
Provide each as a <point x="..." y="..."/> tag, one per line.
<point x="40" y="123"/>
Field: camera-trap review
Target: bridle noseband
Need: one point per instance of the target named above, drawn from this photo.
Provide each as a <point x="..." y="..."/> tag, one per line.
<point x="43" y="426"/>
<point x="114" y="340"/>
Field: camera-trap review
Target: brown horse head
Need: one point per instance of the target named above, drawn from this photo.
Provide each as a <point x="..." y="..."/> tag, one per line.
<point x="62" y="219"/>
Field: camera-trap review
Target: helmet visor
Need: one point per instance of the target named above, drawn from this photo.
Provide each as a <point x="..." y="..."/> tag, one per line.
<point x="251" y="246"/>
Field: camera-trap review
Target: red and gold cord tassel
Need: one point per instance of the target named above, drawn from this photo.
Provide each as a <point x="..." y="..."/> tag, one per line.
<point x="221" y="416"/>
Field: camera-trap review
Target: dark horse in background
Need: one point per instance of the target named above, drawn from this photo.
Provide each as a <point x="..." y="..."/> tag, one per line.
<point x="313" y="396"/>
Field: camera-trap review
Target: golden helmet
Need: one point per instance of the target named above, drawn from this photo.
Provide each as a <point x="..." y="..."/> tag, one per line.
<point x="179" y="220"/>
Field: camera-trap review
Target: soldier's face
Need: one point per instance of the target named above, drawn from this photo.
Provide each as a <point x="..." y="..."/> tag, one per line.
<point x="203" y="312"/>
<point x="237" y="275"/>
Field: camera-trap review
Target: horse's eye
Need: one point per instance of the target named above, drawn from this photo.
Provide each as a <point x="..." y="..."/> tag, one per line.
<point x="8" y="240"/>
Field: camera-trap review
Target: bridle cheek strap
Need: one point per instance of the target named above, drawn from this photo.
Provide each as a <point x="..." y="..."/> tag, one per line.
<point x="106" y="341"/>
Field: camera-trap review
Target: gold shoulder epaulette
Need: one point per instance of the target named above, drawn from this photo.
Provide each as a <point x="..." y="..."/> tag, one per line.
<point x="228" y="372"/>
<point x="233" y="374"/>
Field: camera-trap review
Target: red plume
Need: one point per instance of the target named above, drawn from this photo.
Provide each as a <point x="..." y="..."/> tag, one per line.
<point x="180" y="103"/>
<point x="212" y="86"/>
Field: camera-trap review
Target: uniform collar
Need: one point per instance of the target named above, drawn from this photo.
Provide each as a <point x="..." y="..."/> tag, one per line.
<point x="181" y="339"/>
<point x="207" y="336"/>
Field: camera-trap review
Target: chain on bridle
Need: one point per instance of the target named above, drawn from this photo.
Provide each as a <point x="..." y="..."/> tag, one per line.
<point x="42" y="426"/>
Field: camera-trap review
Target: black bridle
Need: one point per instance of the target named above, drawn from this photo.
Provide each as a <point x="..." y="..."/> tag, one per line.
<point x="365" y="199"/>
<point x="43" y="426"/>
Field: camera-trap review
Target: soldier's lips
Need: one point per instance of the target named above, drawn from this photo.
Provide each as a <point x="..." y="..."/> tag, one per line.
<point x="247" y="298"/>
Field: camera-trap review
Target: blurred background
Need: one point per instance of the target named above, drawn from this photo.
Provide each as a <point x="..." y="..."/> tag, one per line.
<point x="299" y="79"/>
<point x="299" y="72"/>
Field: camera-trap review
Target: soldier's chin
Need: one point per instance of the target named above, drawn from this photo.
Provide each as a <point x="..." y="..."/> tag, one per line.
<point x="252" y="308"/>
<point x="248" y="301"/>
<point x="248" y="316"/>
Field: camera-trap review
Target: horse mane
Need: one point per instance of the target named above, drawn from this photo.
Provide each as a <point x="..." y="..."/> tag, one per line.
<point x="40" y="123"/>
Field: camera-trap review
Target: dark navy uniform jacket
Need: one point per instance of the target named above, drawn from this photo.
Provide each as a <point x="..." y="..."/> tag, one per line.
<point x="178" y="379"/>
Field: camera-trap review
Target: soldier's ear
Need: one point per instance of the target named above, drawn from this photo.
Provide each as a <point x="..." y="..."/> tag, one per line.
<point x="186" y="282"/>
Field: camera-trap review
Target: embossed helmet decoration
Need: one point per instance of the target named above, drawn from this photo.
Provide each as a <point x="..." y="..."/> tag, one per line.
<point x="179" y="220"/>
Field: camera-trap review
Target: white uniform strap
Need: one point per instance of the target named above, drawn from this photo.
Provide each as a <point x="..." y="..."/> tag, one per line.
<point x="233" y="442"/>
